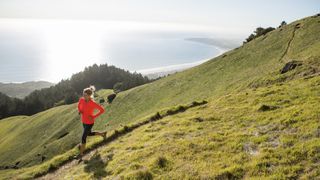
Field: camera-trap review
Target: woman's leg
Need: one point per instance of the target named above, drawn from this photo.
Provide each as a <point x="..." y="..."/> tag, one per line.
<point x="90" y="133"/>
<point x="86" y="131"/>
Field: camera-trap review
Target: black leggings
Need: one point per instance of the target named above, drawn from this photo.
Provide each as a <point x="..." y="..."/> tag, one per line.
<point x="87" y="132"/>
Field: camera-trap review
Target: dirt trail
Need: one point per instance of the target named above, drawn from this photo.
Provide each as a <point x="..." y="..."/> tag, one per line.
<point x="297" y="26"/>
<point x="61" y="171"/>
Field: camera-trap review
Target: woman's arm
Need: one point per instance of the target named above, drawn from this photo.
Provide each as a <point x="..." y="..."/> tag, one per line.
<point x="100" y="108"/>
<point x="80" y="107"/>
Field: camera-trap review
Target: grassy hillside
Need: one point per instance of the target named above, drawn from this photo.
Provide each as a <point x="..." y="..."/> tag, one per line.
<point x="32" y="140"/>
<point x="232" y="134"/>
<point x="236" y="69"/>
<point x="229" y="138"/>
<point x="21" y="90"/>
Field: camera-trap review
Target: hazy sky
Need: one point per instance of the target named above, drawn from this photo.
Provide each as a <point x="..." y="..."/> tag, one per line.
<point x="223" y="13"/>
<point x="52" y="39"/>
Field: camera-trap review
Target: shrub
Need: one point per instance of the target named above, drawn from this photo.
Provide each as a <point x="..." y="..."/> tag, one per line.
<point x="267" y="108"/>
<point x="258" y="32"/>
<point x="161" y="162"/>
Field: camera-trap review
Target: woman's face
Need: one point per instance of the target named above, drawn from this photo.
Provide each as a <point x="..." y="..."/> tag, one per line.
<point x="86" y="96"/>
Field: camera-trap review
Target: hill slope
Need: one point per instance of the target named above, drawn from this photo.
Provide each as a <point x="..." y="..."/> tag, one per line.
<point x="37" y="138"/>
<point x="252" y="68"/>
<point x="255" y="63"/>
<point x="229" y="138"/>
<point x="21" y="90"/>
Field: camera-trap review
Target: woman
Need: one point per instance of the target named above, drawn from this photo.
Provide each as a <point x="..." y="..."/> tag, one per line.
<point x="86" y="107"/>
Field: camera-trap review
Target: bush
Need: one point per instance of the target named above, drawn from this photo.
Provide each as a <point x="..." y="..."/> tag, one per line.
<point x="258" y="32"/>
<point x="101" y="101"/>
<point x="267" y="108"/>
<point x="161" y="162"/>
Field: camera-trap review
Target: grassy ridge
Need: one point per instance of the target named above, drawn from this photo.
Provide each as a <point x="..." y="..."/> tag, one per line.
<point x="229" y="138"/>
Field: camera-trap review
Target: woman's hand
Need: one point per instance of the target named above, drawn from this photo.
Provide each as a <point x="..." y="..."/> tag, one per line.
<point x="90" y="118"/>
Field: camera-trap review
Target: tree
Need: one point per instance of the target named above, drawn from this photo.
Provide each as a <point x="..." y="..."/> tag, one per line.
<point x="71" y="98"/>
<point x="283" y="23"/>
<point x="118" y="87"/>
<point x="67" y="91"/>
<point x="258" y="32"/>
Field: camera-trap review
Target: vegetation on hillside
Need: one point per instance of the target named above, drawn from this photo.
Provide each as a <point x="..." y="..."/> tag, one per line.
<point x="68" y="91"/>
<point x="229" y="138"/>
<point x="260" y="31"/>
<point x="10" y="106"/>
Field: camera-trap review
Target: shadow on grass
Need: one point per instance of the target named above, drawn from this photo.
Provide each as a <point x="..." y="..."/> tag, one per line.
<point x="97" y="166"/>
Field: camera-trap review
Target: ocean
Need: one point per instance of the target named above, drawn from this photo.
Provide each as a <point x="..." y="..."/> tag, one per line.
<point x="54" y="50"/>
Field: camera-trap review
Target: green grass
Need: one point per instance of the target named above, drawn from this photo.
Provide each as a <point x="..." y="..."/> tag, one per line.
<point x="57" y="161"/>
<point x="230" y="134"/>
<point x="29" y="139"/>
<point x="227" y="138"/>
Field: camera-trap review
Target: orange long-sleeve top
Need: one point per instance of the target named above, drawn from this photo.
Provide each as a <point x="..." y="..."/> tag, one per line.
<point x="86" y="108"/>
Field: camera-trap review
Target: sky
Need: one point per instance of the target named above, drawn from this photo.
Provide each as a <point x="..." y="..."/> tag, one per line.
<point x="226" y="13"/>
<point x="52" y="39"/>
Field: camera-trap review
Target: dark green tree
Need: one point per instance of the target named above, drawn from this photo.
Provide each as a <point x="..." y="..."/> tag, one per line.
<point x="283" y="23"/>
<point x="257" y="33"/>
